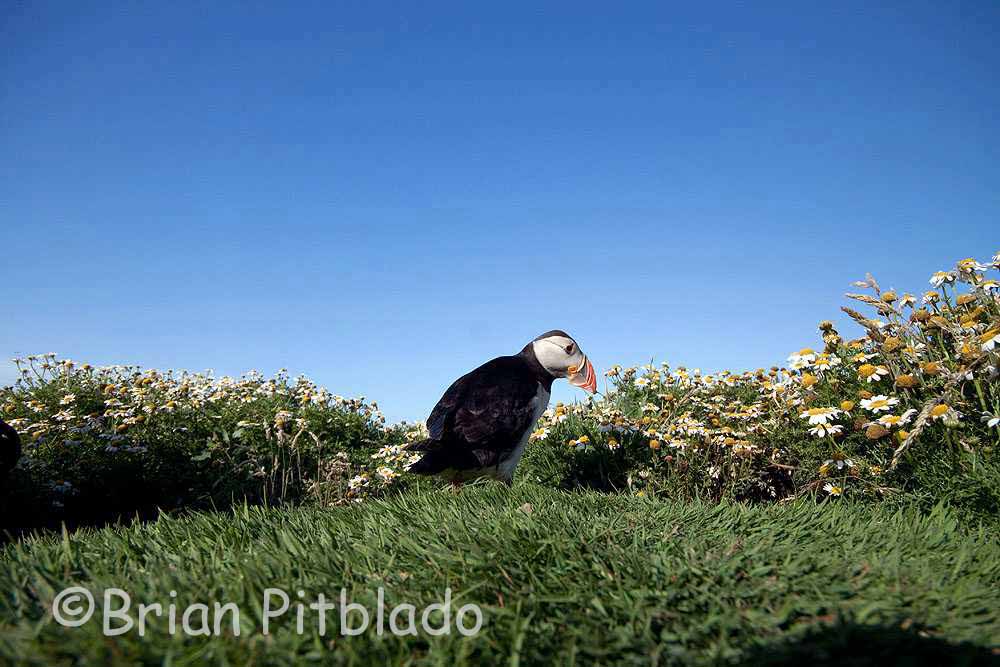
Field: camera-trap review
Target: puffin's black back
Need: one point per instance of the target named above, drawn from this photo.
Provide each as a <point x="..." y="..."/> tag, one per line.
<point x="10" y="448"/>
<point x="482" y="415"/>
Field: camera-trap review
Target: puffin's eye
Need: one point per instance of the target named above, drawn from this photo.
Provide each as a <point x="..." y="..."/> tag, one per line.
<point x="569" y="349"/>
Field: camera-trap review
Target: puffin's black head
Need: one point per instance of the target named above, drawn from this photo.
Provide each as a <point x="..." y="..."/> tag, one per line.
<point x="561" y="357"/>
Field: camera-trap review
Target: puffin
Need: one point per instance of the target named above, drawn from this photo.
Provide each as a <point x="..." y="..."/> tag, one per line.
<point x="10" y="448"/>
<point x="481" y="424"/>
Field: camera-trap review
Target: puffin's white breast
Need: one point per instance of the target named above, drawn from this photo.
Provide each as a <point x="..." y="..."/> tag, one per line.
<point x="505" y="470"/>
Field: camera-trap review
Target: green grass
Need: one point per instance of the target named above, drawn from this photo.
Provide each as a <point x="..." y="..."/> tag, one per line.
<point x="575" y="578"/>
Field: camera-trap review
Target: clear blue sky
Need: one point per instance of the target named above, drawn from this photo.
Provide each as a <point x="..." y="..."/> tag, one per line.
<point x="383" y="196"/>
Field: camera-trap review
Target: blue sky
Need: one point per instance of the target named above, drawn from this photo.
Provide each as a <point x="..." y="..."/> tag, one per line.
<point x="383" y="196"/>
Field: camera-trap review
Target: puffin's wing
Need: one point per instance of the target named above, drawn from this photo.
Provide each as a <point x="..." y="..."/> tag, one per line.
<point x="446" y="406"/>
<point x="496" y="408"/>
<point x="480" y="417"/>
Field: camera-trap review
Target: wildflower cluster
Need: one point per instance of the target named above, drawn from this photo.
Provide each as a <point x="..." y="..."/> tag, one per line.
<point x="842" y="417"/>
<point x="835" y="418"/>
<point x="115" y="434"/>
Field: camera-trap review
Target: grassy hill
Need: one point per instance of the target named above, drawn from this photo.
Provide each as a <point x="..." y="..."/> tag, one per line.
<point x="563" y="577"/>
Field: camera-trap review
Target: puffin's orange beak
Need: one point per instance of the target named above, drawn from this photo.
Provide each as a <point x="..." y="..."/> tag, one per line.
<point x="584" y="377"/>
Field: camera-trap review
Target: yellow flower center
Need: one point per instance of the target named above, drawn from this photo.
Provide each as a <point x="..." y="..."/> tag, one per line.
<point x="939" y="410"/>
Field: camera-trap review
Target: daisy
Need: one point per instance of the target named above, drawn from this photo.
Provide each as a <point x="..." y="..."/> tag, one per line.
<point x="797" y="363"/>
<point x="823" y="430"/>
<point x="801" y="359"/>
<point x="540" y="434"/>
<point x="991" y="419"/>
<point x="840" y="461"/>
<point x="990" y="285"/>
<point x="989" y="339"/>
<point x="970" y="265"/>
<point x="943" y="411"/>
<point x="878" y="403"/>
<point x="832" y="489"/>
<point x="825" y="362"/>
<point x="358" y="482"/>
<point x="820" y="415"/>
<point x="388" y="451"/>
<point x="897" y="420"/>
<point x="872" y="373"/>
<point x="941" y="277"/>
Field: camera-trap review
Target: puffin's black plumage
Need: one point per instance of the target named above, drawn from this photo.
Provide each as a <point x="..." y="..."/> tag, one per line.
<point x="10" y="448"/>
<point x="484" y="417"/>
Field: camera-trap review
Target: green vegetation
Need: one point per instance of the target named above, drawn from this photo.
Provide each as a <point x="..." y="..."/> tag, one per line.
<point x="103" y="444"/>
<point x="583" y="576"/>
<point x="910" y="409"/>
